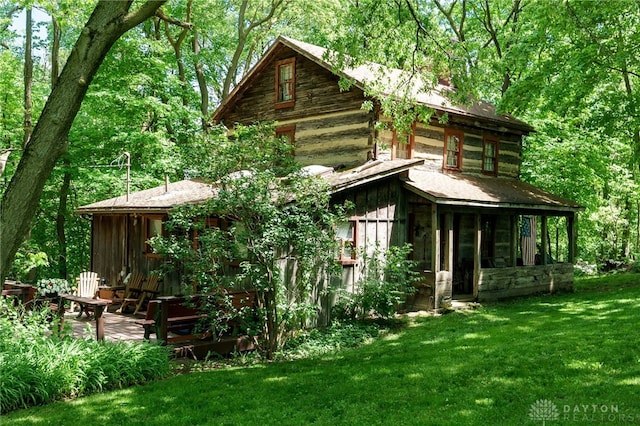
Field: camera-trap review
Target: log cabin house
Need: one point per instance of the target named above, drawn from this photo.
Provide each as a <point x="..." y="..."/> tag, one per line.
<point x="451" y="188"/>
<point x="478" y="232"/>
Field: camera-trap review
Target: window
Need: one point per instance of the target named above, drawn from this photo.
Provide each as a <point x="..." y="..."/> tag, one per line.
<point x="209" y="222"/>
<point x="285" y="83"/>
<point x="287" y="132"/>
<point x="347" y="236"/>
<point x="488" y="241"/>
<point x="490" y="155"/>
<point x="284" y="151"/>
<point x="453" y="149"/>
<point x="402" y="147"/>
<point x="154" y="228"/>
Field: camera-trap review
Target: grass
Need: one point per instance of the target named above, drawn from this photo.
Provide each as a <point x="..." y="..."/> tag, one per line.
<point x="483" y="367"/>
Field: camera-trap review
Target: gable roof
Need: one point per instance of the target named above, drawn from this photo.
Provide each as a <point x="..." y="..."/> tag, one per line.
<point x="389" y="81"/>
<point x="479" y="191"/>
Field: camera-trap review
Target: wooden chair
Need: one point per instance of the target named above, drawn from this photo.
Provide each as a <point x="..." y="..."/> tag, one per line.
<point x="149" y="291"/>
<point x="87" y="287"/>
<point x="132" y="290"/>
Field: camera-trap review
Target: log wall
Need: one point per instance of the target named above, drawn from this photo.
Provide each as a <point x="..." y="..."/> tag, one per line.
<point x="502" y="283"/>
<point x="331" y="128"/>
<point x="429" y="146"/>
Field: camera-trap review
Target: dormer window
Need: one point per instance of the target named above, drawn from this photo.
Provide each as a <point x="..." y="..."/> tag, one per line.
<point x="453" y="140"/>
<point x="285" y="83"/>
<point x="490" y="155"/>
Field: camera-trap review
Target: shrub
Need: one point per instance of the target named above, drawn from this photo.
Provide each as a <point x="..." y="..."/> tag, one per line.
<point x="386" y="280"/>
<point x="38" y="366"/>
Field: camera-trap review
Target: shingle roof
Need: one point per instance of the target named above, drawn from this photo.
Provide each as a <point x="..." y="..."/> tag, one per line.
<point x="391" y="81"/>
<point x="477" y="191"/>
<point x="368" y="172"/>
<point x="441" y="188"/>
<point x="159" y="199"/>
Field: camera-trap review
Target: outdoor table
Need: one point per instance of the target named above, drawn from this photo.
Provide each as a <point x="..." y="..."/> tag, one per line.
<point x="98" y="310"/>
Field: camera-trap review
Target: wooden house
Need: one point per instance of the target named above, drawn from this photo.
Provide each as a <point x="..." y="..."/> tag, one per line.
<point x="121" y="227"/>
<point x="478" y="232"/>
<point x="451" y="187"/>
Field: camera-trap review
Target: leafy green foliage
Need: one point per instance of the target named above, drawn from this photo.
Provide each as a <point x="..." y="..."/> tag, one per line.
<point x="386" y="280"/>
<point x="38" y="366"/>
<point x="473" y="367"/>
<point x="274" y="232"/>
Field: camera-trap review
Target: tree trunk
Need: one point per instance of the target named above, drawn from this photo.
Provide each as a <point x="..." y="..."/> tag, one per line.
<point x="202" y="83"/>
<point x="63" y="194"/>
<point x="109" y="20"/>
<point x="28" y="77"/>
<point x="61" y="219"/>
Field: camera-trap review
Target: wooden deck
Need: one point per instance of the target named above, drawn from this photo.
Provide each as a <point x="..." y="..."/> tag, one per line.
<point x="116" y="326"/>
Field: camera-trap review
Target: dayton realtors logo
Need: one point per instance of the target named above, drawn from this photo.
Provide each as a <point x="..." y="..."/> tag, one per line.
<point x="545" y="410"/>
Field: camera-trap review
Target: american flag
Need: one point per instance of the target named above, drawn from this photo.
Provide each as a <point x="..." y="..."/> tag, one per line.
<point x="528" y="240"/>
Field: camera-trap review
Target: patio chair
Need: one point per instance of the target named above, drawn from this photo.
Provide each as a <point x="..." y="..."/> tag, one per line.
<point x="149" y="291"/>
<point x="87" y="287"/>
<point x="132" y="291"/>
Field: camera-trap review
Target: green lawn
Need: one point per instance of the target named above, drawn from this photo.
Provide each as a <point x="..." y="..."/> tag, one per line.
<point x="498" y="365"/>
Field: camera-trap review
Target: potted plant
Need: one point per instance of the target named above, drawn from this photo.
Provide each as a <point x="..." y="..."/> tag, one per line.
<point x="51" y="287"/>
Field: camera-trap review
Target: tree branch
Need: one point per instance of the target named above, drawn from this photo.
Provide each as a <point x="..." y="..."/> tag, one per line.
<point x="423" y="30"/>
<point x="186" y="25"/>
<point x="138" y="16"/>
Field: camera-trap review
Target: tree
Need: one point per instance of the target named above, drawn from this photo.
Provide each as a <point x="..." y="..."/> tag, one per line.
<point x="272" y="220"/>
<point x="108" y="22"/>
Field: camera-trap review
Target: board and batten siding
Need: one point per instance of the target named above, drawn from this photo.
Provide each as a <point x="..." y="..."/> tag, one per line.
<point x="429" y="146"/>
<point x="108" y="246"/>
<point x="381" y="219"/>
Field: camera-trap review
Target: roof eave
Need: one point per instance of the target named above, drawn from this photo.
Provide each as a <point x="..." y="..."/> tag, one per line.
<point x="339" y="187"/>
<point x="488" y="204"/>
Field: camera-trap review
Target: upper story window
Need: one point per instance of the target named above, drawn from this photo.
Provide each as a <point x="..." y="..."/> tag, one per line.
<point x="490" y="155"/>
<point x="402" y="145"/>
<point x="453" y="140"/>
<point x="285" y="83"/>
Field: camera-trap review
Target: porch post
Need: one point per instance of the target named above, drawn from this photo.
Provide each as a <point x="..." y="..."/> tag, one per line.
<point x="435" y="240"/>
<point x="513" y="243"/>
<point x="448" y="264"/>
<point x="572" y="234"/>
<point x="477" y="253"/>
<point x="545" y="240"/>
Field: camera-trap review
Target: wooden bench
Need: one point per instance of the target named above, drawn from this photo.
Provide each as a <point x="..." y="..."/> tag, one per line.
<point x="180" y="315"/>
<point x="98" y="306"/>
<point x="171" y="314"/>
<point x="24" y="292"/>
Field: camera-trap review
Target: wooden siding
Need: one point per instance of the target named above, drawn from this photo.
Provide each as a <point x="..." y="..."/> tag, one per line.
<point x="500" y="283"/>
<point x="342" y="139"/>
<point x="108" y="246"/>
<point x="331" y="129"/>
<point x="118" y="243"/>
<point x="429" y="146"/>
<point x="382" y="220"/>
